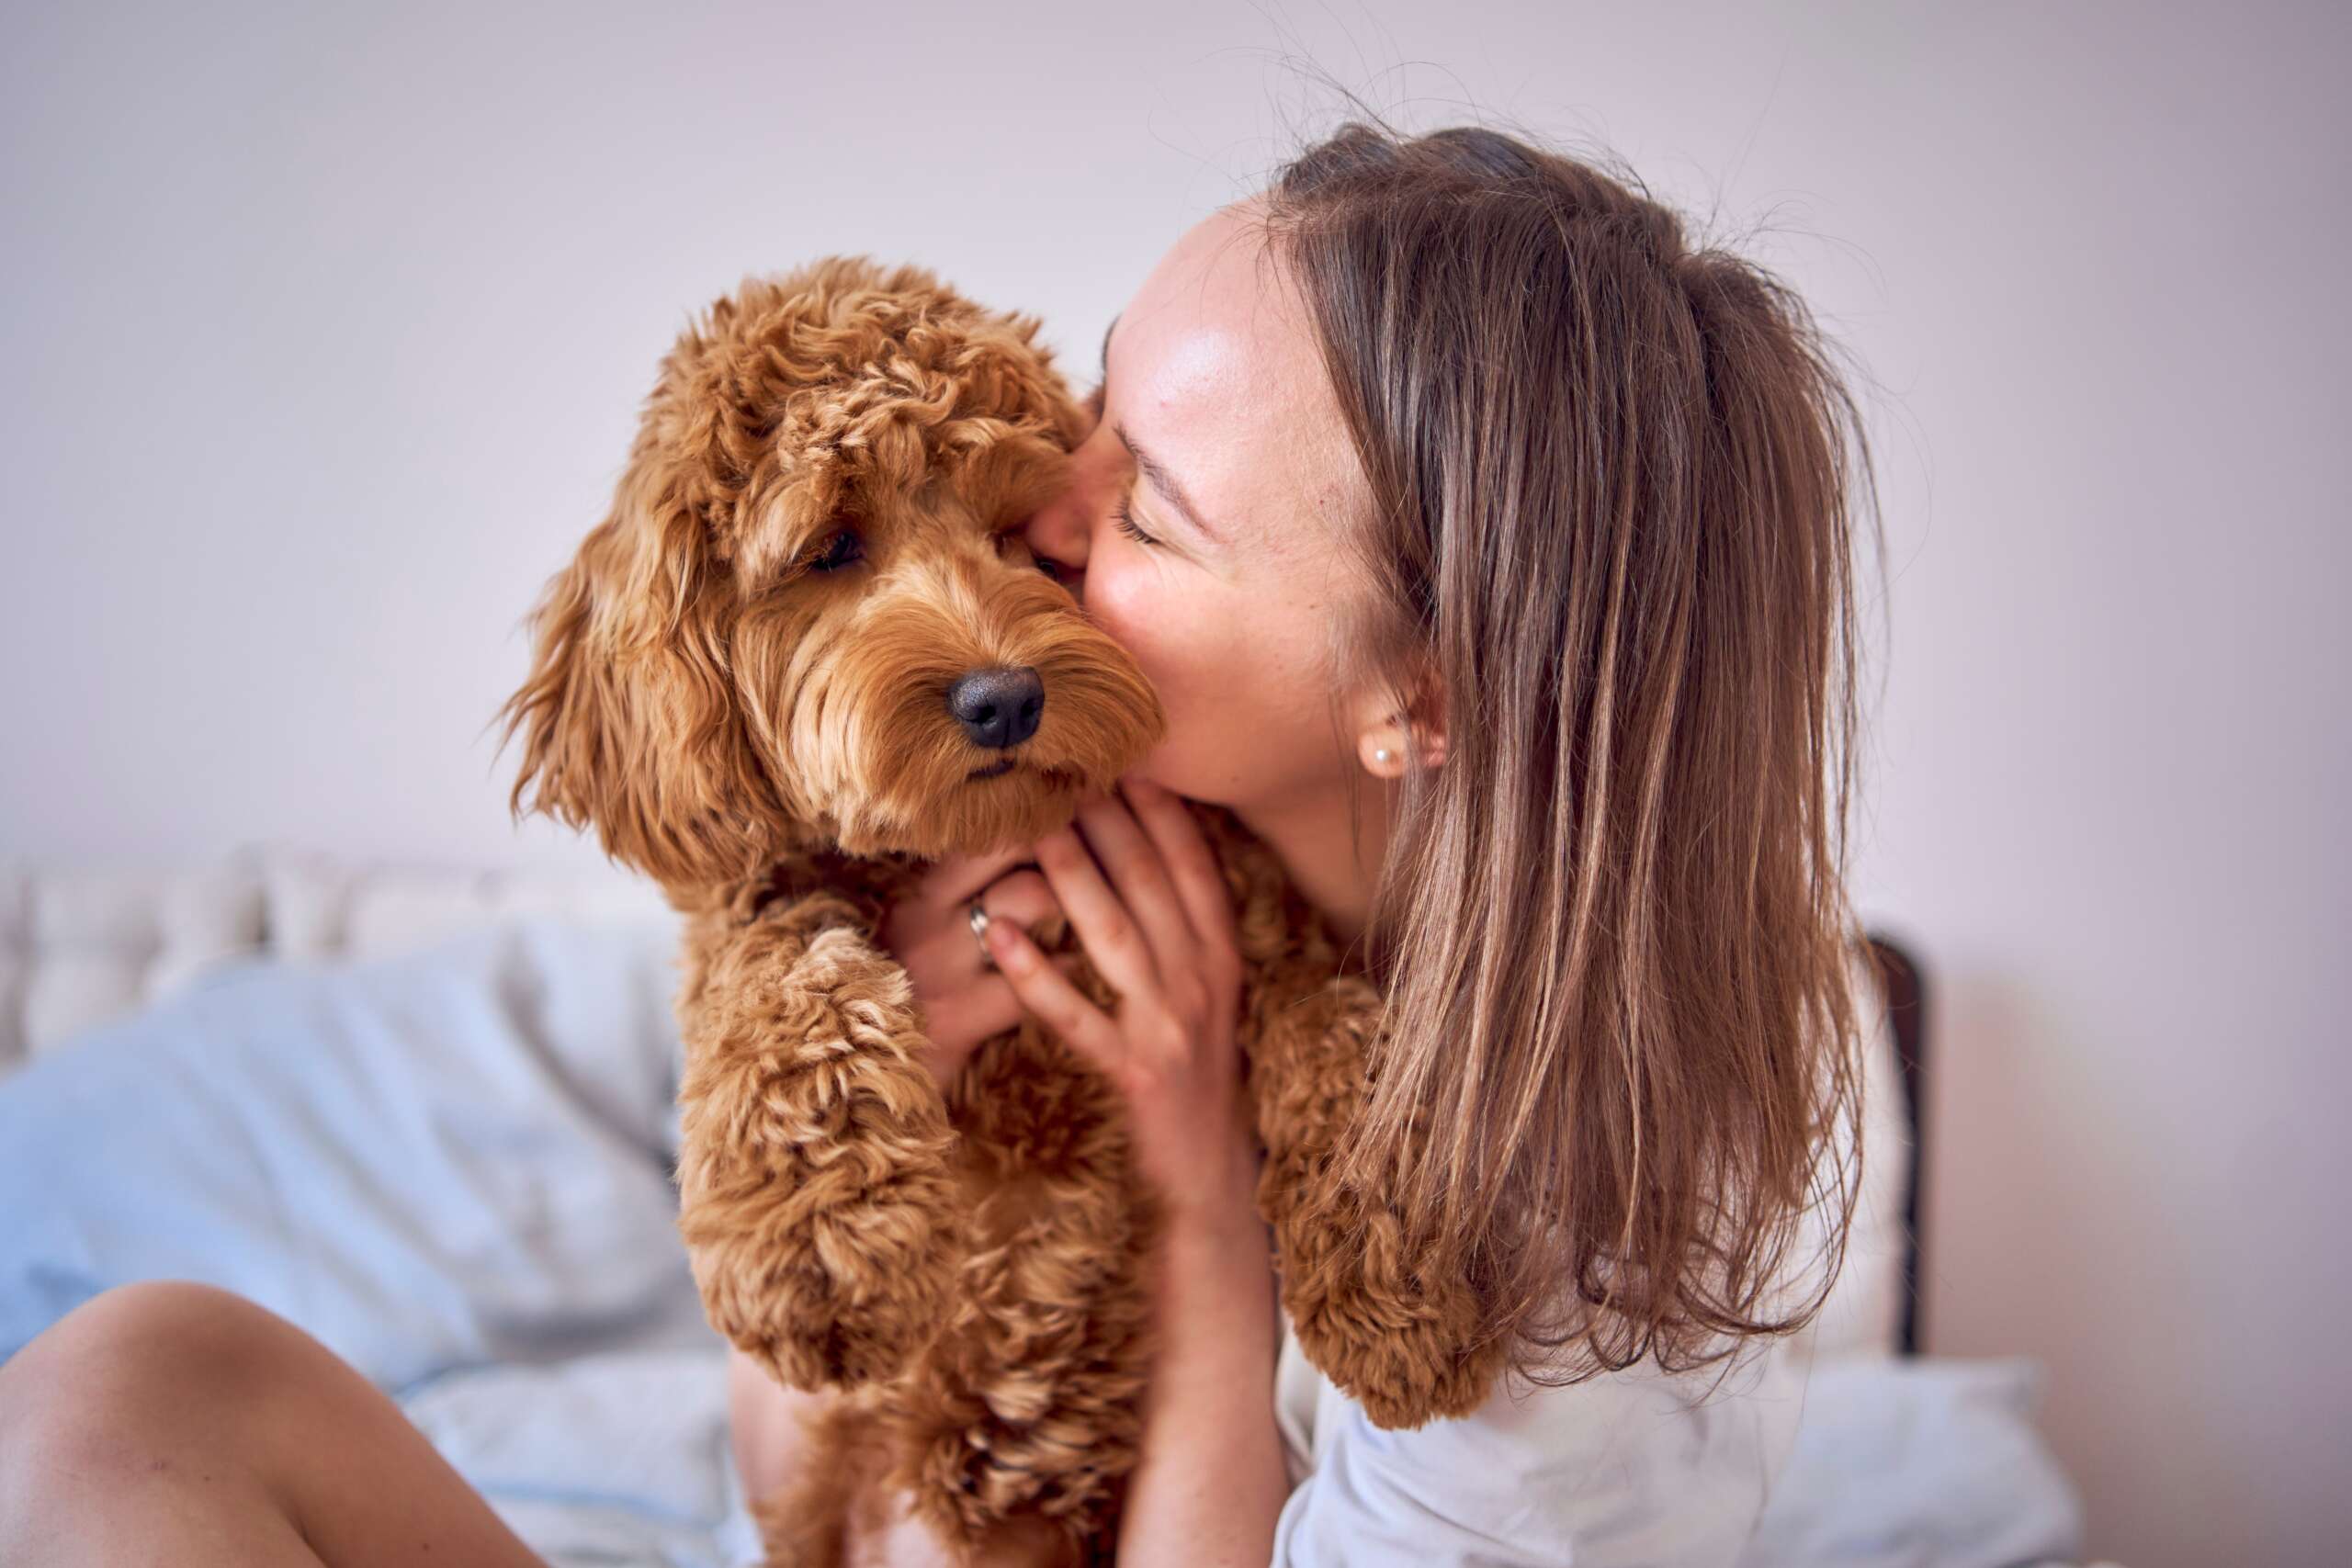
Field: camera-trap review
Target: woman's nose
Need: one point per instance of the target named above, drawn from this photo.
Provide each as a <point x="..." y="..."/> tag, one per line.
<point x="1056" y="535"/>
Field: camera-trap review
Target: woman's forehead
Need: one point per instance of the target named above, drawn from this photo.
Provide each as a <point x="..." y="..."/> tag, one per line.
<point x="1214" y="368"/>
<point x="1218" y="316"/>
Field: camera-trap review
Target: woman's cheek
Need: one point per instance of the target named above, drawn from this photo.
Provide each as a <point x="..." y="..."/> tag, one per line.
<point x="1118" y="599"/>
<point x="1158" y="631"/>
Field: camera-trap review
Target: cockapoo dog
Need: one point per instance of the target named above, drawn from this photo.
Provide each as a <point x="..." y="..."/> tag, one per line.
<point x="805" y="655"/>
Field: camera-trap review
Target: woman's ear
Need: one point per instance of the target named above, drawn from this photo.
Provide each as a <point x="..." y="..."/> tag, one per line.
<point x="1388" y="726"/>
<point x="630" y="717"/>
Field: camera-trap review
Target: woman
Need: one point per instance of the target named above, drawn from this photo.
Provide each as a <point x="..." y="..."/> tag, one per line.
<point x="1443" y="471"/>
<point x="1489" y="551"/>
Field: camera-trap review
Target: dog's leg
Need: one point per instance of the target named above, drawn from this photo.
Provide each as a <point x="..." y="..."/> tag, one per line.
<point x="838" y="1511"/>
<point x="814" y="1182"/>
<point x="1387" y="1315"/>
<point x="1017" y="1427"/>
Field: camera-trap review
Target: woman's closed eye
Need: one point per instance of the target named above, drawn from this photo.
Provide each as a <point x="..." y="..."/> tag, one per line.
<point x="1123" y="515"/>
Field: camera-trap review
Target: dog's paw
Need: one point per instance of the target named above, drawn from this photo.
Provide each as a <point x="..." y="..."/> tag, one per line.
<point x="1396" y="1328"/>
<point x="1405" y="1371"/>
<point x="837" y="1295"/>
<point x="816" y="1193"/>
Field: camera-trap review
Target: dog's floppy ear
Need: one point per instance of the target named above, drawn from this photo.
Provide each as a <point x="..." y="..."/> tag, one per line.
<point x="630" y="717"/>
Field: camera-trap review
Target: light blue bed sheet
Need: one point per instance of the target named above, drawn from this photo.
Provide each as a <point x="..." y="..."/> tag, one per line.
<point x="453" y="1168"/>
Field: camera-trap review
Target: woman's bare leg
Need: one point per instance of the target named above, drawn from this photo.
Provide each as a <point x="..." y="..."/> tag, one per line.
<point x="767" y="1425"/>
<point x="177" y="1423"/>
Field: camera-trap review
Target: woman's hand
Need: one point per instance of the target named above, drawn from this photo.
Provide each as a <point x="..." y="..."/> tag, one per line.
<point x="964" y="1001"/>
<point x="1156" y="922"/>
<point x="1154" y="919"/>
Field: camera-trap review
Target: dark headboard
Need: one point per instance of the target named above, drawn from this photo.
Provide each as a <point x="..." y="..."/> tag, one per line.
<point x="1906" y="989"/>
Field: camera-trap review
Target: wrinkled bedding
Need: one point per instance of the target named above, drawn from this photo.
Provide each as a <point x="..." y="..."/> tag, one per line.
<point x="452" y="1167"/>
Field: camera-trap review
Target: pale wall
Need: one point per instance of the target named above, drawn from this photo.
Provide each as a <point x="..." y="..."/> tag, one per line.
<point x="324" y="337"/>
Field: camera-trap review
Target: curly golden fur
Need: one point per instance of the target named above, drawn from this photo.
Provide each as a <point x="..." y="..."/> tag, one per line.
<point x="747" y="681"/>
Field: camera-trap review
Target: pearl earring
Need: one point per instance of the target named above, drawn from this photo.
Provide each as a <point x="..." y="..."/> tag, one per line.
<point x="1380" y="754"/>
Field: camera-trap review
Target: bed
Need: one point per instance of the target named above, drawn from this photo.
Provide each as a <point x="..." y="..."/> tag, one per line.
<point x="427" y="1114"/>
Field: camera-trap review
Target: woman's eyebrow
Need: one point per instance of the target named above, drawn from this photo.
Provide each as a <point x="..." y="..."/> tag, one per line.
<point x="1153" y="469"/>
<point x="1165" y="483"/>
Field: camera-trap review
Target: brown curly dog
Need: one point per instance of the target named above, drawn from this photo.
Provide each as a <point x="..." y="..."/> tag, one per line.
<point x="805" y="655"/>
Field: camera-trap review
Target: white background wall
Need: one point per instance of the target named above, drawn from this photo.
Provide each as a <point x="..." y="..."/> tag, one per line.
<point x="324" y="332"/>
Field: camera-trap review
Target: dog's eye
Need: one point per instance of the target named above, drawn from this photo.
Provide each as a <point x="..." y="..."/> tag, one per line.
<point x="842" y="549"/>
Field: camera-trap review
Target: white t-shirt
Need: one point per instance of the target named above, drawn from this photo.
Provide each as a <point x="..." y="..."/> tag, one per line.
<point x="1633" y="1467"/>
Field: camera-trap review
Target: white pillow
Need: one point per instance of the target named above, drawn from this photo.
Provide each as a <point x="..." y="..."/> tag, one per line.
<point x="457" y="1155"/>
<point x="78" y="947"/>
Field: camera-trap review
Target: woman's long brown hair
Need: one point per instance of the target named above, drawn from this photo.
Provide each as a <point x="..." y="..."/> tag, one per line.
<point x="1608" y="544"/>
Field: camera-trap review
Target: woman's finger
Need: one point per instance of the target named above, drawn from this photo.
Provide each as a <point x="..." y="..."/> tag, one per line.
<point x="1110" y="935"/>
<point x="1137" y="873"/>
<point x="981" y="1011"/>
<point x="952" y="883"/>
<point x="1023" y="896"/>
<point x="1191" y="864"/>
<point x="989" y="1006"/>
<point x="1049" y="995"/>
<point x="978" y="1011"/>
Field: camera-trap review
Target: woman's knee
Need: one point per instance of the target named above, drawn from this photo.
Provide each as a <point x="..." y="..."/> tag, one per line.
<point x="146" y="1407"/>
<point x="134" y="1367"/>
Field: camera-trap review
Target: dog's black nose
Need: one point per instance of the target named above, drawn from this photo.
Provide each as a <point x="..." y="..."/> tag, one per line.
<point x="999" y="707"/>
